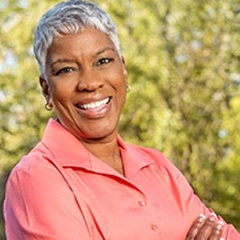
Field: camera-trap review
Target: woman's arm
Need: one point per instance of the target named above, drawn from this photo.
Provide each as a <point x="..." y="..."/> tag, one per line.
<point x="40" y="205"/>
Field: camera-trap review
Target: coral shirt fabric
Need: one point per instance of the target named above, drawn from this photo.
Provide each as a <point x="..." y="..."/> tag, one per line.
<point x="61" y="191"/>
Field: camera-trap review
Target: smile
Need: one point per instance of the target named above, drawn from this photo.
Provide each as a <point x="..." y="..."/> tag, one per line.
<point x="93" y="105"/>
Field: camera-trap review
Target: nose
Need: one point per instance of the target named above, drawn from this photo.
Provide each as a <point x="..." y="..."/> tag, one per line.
<point x="90" y="81"/>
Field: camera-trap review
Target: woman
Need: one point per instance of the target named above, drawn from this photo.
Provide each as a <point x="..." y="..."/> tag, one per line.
<point x="82" y="181"/>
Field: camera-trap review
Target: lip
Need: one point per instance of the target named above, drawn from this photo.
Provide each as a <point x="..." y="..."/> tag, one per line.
<point x="93" y="109"/>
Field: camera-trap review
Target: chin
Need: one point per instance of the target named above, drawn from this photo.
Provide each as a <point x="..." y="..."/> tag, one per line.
<point x="99" y="134"/>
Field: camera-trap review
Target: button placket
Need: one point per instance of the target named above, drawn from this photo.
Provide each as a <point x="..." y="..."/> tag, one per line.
<point x="143" y="203"/>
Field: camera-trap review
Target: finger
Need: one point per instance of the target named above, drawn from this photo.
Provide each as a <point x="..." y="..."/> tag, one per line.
<point x="197" y="225"/>
<point x="206" y="230"/>
<point x="217" y="231"/>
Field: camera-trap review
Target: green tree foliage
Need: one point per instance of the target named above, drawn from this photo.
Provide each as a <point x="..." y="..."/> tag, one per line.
<point x="183" y="62"/>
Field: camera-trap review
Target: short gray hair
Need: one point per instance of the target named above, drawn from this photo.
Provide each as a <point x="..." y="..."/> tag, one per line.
<point x="68" y="18"/>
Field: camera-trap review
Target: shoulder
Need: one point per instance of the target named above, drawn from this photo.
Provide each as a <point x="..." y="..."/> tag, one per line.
<point x="146" y="151"/>
<point x="36" y="163"/>
<point x="34" y="180"/>
<point x="150" y="153"/>
<point x="160" y="161"/>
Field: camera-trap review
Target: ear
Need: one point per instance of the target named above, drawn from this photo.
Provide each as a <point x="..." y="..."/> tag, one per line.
<point x="125" y="72"/>
<point x="123" y="60"/>
<point x="45" y="88"/>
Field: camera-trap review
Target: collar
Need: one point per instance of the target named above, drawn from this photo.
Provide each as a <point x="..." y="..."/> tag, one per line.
<point x="68" y="151"/>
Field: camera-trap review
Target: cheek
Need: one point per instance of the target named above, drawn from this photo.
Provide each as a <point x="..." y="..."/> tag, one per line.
<point x="120" y="78"/>
<point x="60" y="92"/>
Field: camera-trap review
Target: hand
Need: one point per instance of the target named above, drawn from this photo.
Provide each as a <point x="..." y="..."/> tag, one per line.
<point x="206" y="228"/>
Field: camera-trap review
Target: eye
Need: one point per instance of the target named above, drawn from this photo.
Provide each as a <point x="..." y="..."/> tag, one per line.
<point x="64" y="71"/>
<point x="104" y="61"/>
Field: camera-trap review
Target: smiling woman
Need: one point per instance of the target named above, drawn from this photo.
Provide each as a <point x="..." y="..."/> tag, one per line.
<point x="82" y="181"/>
<point x="86" y="84"/>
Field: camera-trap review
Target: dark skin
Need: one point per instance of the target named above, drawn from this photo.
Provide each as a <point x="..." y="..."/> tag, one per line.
<point x="87" y="72"/>
<point x="90" y="70"/>
<point x="206" y="229"/>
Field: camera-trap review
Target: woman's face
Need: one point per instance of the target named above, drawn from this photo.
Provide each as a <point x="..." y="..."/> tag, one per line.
<point x="86" y="84"/>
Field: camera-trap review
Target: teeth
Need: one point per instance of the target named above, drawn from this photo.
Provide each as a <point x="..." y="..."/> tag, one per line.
<point x="95" y="104"/>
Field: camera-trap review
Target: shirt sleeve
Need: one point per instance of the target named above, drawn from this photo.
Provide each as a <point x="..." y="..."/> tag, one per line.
<point x="40" y="205"/>
<point x="191" y="203"/>
<point x="229" y="232"/>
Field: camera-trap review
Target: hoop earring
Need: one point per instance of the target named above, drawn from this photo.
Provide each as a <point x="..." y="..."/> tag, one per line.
<point x="48" y="107"/>
<point x="129" y="88"/>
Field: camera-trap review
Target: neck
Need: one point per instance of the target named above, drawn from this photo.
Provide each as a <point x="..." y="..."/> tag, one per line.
<point x="108" y="152"/>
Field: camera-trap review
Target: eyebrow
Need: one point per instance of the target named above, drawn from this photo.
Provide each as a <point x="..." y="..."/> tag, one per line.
<point x="62" y="60"/>
<point x="104" y="50"/>
<point x="66" y="60"/>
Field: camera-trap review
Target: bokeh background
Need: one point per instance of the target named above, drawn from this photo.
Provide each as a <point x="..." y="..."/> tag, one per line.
<point x="183" y="59"/>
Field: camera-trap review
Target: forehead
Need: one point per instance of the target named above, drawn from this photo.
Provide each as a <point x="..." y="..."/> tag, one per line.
<point x="88" y="41"/>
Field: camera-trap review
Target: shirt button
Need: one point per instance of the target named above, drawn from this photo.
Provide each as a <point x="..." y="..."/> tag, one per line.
<point x="154" y="227"/>
<point x="142" y="202"/>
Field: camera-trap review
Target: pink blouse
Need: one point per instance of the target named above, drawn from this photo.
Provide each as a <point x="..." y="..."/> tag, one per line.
<point x="60" y="191"/>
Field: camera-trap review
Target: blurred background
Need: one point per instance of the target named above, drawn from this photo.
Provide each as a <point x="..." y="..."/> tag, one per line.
<point x="183" y="59"/>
